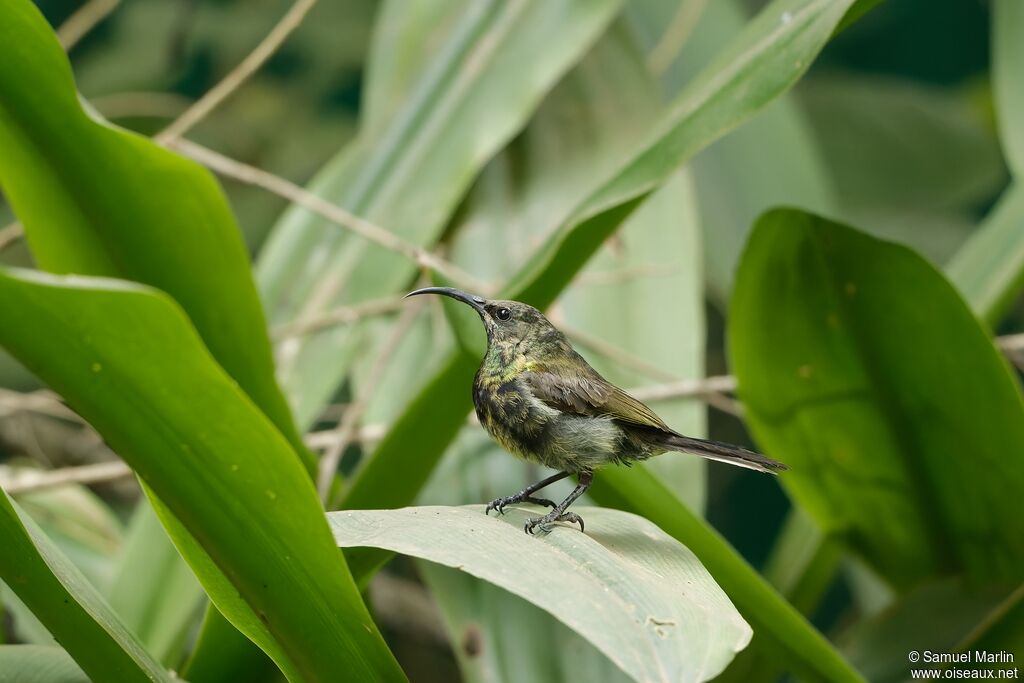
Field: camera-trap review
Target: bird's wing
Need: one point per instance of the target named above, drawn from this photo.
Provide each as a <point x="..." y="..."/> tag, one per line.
<point x="587" y="393"/>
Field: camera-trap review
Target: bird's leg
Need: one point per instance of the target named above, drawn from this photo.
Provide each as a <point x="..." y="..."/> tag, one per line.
<point x="559" y="514"/>
<point x="524" y="495"/>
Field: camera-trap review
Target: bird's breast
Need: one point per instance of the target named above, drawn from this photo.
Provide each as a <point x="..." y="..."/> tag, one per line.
<point x="512" y="415"/>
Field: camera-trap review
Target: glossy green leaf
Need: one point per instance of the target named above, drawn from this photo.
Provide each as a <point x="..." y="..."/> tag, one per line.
<point x="408" y="175"/>
<point x="897" y="444"/>
<point x="154" y="591"/>
<point x="98" y="200"/>
<point x="69" y="606"/>
<point x="132" y="371"/>
<point x="660" y="616"/>
<point x="38" y="664"/>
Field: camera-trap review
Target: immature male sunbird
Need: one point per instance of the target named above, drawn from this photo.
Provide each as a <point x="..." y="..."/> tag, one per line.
<point x="541" y="401"/>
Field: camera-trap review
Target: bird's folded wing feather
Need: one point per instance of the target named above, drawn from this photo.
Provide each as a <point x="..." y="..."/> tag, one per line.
<point x="589" y="394"/>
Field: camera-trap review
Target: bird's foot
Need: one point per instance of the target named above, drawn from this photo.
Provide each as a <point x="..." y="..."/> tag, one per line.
<point x="546" y="523"/>
<point x="500" y="504"/>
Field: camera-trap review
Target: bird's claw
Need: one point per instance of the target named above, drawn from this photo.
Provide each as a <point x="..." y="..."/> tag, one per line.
<point x="500" y="504"/>
<point x="546" y="523"/>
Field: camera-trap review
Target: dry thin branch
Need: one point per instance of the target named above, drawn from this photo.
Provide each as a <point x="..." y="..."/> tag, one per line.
<point x="350" y="420"/>
<point x="18" y="480"/>
<point x="84" y="20"/>
<point x="41" y="402"/>
<point x="335" y="214"/>
<point x="1010" y="343"/>
<point x="617" y="355"/>
<point x="343" y="315"/>
<point x="155" y="104"/>
<point x="10" y="234"/>
<point x="241" y="73"/>
<point x="686" y="388"/>
<point x="675" y="36"/>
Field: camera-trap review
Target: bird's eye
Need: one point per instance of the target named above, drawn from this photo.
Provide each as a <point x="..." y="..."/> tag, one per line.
<point x="503" y="314"/>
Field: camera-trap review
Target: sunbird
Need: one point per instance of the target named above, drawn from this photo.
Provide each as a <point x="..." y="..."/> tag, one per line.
<point x="538" y="398"/>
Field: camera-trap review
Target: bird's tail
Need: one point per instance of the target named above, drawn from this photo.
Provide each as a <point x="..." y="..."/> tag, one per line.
<point x="723" y="452"/>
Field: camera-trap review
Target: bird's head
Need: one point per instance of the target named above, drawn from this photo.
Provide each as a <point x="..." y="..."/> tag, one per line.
<point x="505" y="321"/>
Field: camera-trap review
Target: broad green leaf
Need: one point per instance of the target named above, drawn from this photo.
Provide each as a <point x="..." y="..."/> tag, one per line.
<point x="149" y="216"/>
<point x="936" y="616"/>
<point x="127" y="359"/>
<point x="897" y="445"/>
<point x="69" y="606"/>
<point x="38" y="664"/>
<point x="1008" y="79"/>
<point x="659" y="616"/>
<point x="154" y="591"/>
<point x="478" y="89"/>
<point x="785" y="635"/>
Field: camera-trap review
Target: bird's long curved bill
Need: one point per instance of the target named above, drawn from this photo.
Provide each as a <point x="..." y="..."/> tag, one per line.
<point x="477" y="302"/>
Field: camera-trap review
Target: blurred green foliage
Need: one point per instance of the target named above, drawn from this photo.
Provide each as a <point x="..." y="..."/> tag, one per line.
<point x="593" y="158"/>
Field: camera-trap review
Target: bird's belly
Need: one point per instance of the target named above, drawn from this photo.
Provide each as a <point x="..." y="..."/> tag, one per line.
<point x="531" y="430"/>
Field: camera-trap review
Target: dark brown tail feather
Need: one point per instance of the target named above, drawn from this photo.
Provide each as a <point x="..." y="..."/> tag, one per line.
<point x="723" y="452"/>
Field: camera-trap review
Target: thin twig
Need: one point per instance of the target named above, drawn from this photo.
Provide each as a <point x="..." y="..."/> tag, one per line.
<point x="335" y="214"/>
<point x="617" y="355"/>
<point x="83" y="20"/>
<point x="154" y="104"/>
<point x="246" y="68"/>
<point x="1010" y="343"/>
<point x="675" y="36"/>
<point x="11" y="234"/>
<point x="367" y="434"/>
<point x="41" y="402"/>
<point x="343" y="315"/>
<point x="350" y="420"/>
<point x="686" y="388"/>
<point x="21" y="480"/>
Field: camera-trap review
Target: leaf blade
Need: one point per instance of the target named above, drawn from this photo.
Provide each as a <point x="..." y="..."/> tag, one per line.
<point x="651" y="631"/>
<point x="134" y="350"/>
